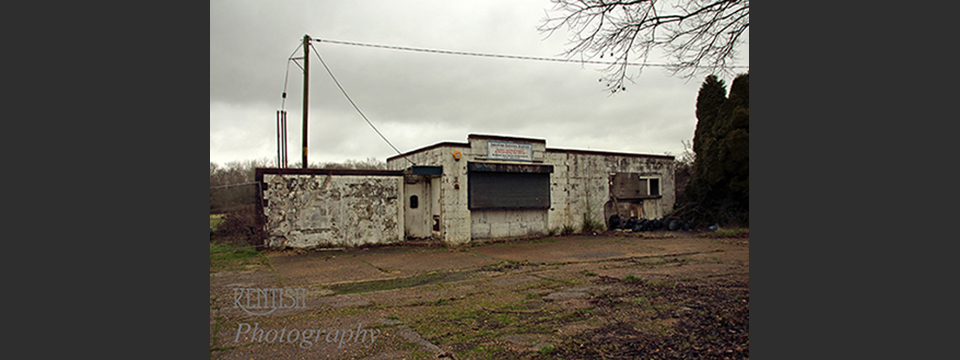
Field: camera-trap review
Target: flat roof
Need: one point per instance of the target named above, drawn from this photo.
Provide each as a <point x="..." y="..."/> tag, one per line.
<point x="505" y="138"/>
<point x="554" y="150"/>
<point x="604" y="152"/>
<point x="430" y="147"/>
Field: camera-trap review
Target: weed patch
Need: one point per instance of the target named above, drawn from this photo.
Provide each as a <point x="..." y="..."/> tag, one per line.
<point x="474" y="329"/>
<point x="547" y="350"/>
<point x="546" y="240"/>
<point x="226" y="256"/>
<point x="506" y="265"/>
<point x="590" y="225"/>
<point x="215" y="220"/>
<point x="380" y="285"/>
<point x="734" y="233"/>
<point x="219" y="325"/>
<point x="632" y="279"/>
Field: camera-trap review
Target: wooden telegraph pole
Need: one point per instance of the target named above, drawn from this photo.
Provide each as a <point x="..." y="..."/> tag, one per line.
<point x="306" y="92"/>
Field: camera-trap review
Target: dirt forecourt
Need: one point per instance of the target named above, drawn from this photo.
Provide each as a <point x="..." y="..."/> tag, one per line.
<point x="663" y="295"/>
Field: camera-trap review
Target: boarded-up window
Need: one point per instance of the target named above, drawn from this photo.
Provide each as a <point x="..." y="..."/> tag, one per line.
<point x="508" y="186"/>
<point x="628" y="186"/>
<point x="634" y="186"/>
<point x="490" y="190"/>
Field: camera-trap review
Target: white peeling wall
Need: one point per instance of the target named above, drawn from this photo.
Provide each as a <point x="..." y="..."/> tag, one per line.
<point x="580" y="185"/>
<point x="511" y="223"/>
<point x="304" y="211"/>
<point x="451" y="188"/>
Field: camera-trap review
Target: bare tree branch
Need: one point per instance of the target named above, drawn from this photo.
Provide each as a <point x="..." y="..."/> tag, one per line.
<point x="695" y="35"/>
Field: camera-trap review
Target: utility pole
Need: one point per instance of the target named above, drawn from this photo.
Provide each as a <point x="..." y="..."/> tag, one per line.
<point x="306" y="92"/>
<point x="280" y="136"/>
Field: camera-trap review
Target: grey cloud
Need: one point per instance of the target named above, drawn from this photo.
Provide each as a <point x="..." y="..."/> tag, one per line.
<point x="417" y="99"/>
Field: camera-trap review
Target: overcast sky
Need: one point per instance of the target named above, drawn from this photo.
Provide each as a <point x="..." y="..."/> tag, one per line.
<point x="418" y="99"/>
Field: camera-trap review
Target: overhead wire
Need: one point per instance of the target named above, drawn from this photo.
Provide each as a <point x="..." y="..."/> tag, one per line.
<point x="286" y="76"/>
<point x="357" y="107"/>
<point x="503" y="56"/>
<point x="437" y="51"/>
<point x="282" y="113"/>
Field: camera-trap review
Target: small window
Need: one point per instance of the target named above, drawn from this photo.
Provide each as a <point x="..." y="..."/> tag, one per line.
<point x="654" y="184"/>
<point x="414" y="202"/>
<point x="649" y="186"/>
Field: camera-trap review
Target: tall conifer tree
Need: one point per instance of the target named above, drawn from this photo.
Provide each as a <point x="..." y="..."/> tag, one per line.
<point x="719" y="186"/>
<point x="734" y="147"/>
<point x="712" y="94"/>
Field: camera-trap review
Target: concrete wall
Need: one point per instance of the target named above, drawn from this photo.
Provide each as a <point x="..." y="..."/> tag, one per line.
<point x="579" y="186"/>
<point x="448" y="201"/>
<point x="499" y="224"/>
<point x="313" y="210"/>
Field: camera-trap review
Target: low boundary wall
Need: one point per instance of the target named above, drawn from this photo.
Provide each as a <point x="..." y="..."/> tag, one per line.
<point x="307" y="208"/>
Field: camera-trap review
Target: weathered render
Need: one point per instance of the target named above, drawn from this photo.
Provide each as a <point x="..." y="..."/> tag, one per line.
<point x="304" y="208"/>
<point x="449" y="202"/>
<point x="491" y="187"/>
<point x="581" y="187"/>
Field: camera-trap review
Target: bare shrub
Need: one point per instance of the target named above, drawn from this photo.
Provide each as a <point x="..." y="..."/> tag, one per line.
<point x="240" y="227"/>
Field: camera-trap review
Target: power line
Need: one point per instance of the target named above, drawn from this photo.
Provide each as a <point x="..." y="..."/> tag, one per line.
<point x="287" y="75"/>
<point x="503" y="56"/>
<point x="355" y="105"/>
<point x="447" y="52"/>
<point x="282" y="114"/>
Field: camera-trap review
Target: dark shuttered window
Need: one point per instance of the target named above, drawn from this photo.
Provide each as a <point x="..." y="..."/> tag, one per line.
<point x="509" y="187"/>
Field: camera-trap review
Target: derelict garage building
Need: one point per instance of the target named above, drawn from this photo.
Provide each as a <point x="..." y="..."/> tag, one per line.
<point x="491" y="187"/>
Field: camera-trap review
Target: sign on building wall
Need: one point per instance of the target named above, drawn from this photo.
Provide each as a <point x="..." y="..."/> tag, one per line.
<point x="504" y="150"/>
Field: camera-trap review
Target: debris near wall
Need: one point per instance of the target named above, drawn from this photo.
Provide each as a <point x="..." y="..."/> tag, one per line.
<point x="662" y="224"/>
<point x="704" y="212"/>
